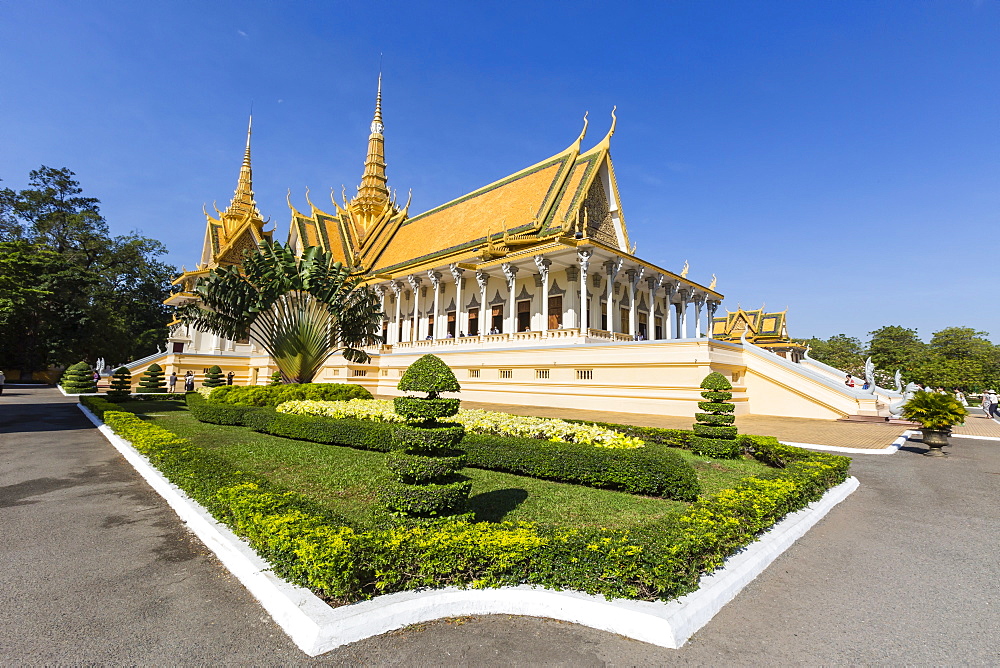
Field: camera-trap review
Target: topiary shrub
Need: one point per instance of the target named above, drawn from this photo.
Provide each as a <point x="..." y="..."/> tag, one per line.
<point x="152" y="380"/>
<point x="121" y="384"/>
<point x="79" y="379"/>
<point x="425" y="461"/>
<point x="276" y="378"/>
<point x="715" y="433"/>
<point x="214" y="377"/>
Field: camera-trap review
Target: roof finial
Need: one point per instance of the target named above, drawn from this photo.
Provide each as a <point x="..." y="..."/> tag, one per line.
<point x="614" y="121"/>
<point x="243" y="202"/>
<point x="377" y="126"/>
<point x="373" y="193"/>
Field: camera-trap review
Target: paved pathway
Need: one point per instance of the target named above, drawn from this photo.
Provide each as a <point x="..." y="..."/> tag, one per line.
<point x="872" y="435"/>
<point x="94" y="568"/>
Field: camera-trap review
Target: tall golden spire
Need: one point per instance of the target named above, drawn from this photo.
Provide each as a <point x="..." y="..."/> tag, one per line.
<point x="243" y="203"/>
<point x="373" y="192"/>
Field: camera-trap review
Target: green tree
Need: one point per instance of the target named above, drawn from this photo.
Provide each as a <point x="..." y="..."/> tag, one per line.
<point x="839" y="351"/>
<point x="301" y="310"/>
<point x="68" y="289"/>
<point x="894" y="347"/>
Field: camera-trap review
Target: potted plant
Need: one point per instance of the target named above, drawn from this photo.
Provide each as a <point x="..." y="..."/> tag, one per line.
<point x="937" y="414"/>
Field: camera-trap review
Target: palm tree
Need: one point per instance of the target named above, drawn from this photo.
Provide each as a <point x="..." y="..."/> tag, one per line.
<point x="301" y="310"/>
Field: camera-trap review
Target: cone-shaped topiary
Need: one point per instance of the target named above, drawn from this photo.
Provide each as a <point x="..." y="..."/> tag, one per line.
<point x="121" y="384"/>
<point x="214" y="377"/>
<point x="152" y="380"/>
<point x="715" y="433"/>
<point x="425" y="460"/>
<point x="79" y="379"/>
<point x="276" y="378"/>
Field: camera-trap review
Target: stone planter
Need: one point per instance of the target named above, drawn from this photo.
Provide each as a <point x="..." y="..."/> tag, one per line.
<point x="935" y="440"/>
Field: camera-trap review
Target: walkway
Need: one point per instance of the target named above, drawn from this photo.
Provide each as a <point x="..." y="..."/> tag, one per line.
<point x="94" y="568"/>
<point x="874" y="435"/>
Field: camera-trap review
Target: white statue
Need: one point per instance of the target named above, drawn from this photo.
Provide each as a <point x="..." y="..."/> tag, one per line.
<point x="899" y="381"/>
<point x="896" y="408"/>
<point x="869" y="377"/>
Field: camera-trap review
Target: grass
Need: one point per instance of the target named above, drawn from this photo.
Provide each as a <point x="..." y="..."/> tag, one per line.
<point x="346" y="480"/>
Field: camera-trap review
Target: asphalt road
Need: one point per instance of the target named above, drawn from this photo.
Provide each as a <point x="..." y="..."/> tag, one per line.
<point x="95" y="568"/>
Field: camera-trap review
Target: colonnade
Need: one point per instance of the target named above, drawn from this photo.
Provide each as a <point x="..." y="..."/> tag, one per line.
<point x="606" y="300"/>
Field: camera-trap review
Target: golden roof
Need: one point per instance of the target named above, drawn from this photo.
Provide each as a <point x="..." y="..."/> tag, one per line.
<point x="231" y="232"/>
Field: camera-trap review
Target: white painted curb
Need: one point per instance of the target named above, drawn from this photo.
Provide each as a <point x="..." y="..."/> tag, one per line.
<point x="891" y="449"/>
<point x="316" y="628"/>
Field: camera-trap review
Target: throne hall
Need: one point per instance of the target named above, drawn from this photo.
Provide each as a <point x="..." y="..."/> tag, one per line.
<point x="527" y="287"/>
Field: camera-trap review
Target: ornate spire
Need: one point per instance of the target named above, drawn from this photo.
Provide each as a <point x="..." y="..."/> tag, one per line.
<point x="373" y="193"/>
<point x="243" y="202"/>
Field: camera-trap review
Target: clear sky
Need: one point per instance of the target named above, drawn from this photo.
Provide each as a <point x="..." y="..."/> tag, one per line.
<point x="841" y="159"/>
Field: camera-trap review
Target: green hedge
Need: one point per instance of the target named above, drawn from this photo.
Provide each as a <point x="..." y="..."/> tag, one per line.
<point x="314" y="548"/>
<point x="216" y="413"/>
<point x="272" y="395"/>
<point x="641" y="471"/>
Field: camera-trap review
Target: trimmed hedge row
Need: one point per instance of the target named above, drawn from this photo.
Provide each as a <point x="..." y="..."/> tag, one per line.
<point x="313" y="548"/>
<point x="639" y="471"/>
<point x="272" y="395"/>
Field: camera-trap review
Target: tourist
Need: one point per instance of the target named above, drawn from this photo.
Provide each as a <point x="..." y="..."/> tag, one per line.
<point x="990" y="404"/>
<point x="961" y="397"/>
<point x="3" y="379"/>
<point x="189" y="382"/>
<point x="172" y="382"/>
<point x="229" y="378"/>
<point x="97" y="377"/>
<point x="850" y="381"/>
<point x="866" y="385"/>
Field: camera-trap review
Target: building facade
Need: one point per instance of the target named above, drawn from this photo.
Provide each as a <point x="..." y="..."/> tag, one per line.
<point x="527" y="287"/>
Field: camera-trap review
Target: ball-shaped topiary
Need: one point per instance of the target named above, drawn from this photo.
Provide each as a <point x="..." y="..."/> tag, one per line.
<point x="79" y="379"/>
<point x="715" y="433"/>
<point x="275" y="378"/>
<point x="214" y="377"/>
<point x="425" y="460"/>
<point x="121" y="384"/>
<point x="152" y="381"/>
<point x="431" y="375"/>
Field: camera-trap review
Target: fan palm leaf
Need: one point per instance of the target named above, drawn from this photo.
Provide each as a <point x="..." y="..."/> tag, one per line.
<point x="300" y="310"/>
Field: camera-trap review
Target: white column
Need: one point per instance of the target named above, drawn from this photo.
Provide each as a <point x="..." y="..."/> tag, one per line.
<point x="435" y="278"/>
<point x="461" y="315"/>
<point x="415" y="325"/>
<point x="510" y="323"/>
<point x="611" y="268"/>
<point x="698" y="303"/>
<point x="485" y="313"/>
<point x="678" y="308"/>
<point x="683" y="313"/>
<point x="543" y="269"/>
<point x="712" y="306"/>
<point x="653" y="285"/>
<point x="584" y="257"/>
<point x="380" y="293"/>
<point x="397" y="291"/>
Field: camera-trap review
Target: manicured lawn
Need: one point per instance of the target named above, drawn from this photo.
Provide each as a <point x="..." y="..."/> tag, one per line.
<point x="346" y="480"/>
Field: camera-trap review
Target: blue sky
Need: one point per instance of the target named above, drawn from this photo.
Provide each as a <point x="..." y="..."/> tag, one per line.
<point x="839" y="159"/>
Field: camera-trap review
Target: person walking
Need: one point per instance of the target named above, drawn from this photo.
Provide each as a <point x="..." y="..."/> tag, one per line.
<point x="990" y="402"/>
<point x="229" y="378"/>
<point x="172" y="382"/>
<point x="189" y="382"/>
<point x="3" y="379"/>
